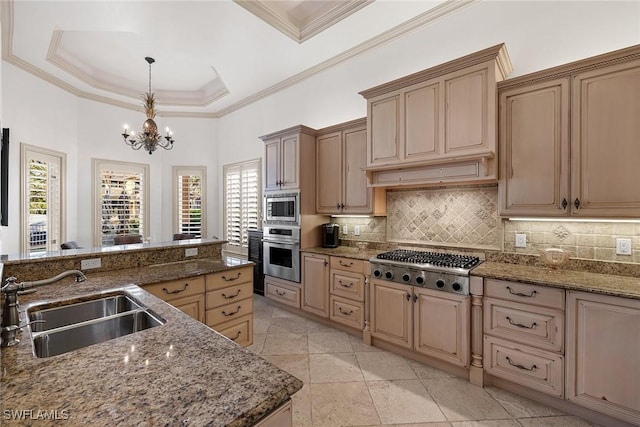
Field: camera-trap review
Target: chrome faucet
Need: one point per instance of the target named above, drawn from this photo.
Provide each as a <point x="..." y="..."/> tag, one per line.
<point x="10" y="314"/>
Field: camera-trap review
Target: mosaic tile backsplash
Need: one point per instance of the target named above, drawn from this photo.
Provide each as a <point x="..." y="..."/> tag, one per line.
<point x="467" y="217"/>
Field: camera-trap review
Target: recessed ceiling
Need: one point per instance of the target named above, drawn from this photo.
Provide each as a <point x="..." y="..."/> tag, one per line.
<point x="212" y="57"/>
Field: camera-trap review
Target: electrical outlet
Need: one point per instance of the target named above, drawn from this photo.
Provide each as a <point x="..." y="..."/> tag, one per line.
<point x="521" y="240"/>
<point x="345" y="229"/>
<point x="191" y="252"/>
<point x="87" y="264"/>
<point x="623" y="246"/>
<point x="356" y="230"/>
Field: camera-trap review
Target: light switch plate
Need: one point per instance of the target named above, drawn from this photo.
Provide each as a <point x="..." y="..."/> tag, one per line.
<point x="356" y="230"/>
<point x="623" y="246"/>
<point x="345" y="229"/>
<point x="191" y="252"/>
<point x="87" y="264"/>
<point x="521" y="240"/>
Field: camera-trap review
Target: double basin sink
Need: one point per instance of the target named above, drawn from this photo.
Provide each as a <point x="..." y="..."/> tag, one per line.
<point x="63" y="326"/>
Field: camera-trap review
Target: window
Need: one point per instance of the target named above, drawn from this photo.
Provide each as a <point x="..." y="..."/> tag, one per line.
<point x="242" y="184"/>
<point x="189" y="201"/>
<point x="121" y="194"/>
<point x="42" y="181"/>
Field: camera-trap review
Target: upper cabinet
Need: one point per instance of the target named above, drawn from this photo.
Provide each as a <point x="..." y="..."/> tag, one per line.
<point x="289" y="159"/>
<point x="437" y="125"/>
<point x="341" y="183"/>
<point x="569" y="139"/>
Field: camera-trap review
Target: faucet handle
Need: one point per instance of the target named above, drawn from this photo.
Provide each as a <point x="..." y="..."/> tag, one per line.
<point x="28" y="291"/>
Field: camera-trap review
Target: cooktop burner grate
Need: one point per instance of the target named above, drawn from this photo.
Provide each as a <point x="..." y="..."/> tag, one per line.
<point x="437" y="259"/>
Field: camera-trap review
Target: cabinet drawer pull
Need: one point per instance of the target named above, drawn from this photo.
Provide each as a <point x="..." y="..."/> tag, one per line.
<point x="231" y="296"/>
<point x="517" y="365"/>
<point x="520" y="294"/>
<point x="281" y="293"/>
<point x="232" y="313"/>
<point x="345" y="312"/>
<point x="345" y="265"/>
<point x="236" y="337"/>
<point x="345" y="286"/>
<point x="408" y="296"/>
<point x="177" y="291"/>
<point x="520" y="325"/>
<point x="231" y="279"/>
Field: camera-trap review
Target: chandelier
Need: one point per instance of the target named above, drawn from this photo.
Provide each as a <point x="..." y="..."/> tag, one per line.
<point x="149" y="138"/>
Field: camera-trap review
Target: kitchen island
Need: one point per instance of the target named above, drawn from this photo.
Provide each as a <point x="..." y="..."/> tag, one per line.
<point x="179" y="373"/>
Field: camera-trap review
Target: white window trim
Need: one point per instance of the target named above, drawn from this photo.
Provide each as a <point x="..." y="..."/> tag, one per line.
<point x="97" y="165"/>
<point x="24" y="170"/>
<point x="232" y="248"/>
<point x="193" y="171"/>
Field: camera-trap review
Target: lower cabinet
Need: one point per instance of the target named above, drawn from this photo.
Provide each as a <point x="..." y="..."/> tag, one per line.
<point x="603" y="354"/>
<point x="346" y="291"/>
<point x="315" y="284"/>
<point x="229" y="304"/>
<point x="281" y="417"/>
<point x="282" y="291"/>
<point x="185" y="294"/>
<point x="430" y="322"/>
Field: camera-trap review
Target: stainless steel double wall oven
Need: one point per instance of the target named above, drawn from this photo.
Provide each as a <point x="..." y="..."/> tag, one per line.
<point x="281" y="238"/>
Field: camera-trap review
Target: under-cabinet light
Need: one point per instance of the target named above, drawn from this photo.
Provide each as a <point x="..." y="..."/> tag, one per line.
<point x="351" y="216"/>
<point x="574" y="220"/>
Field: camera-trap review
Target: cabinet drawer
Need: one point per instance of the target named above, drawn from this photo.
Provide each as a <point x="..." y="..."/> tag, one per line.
<point x="537" y="369"/>
<point x="228" y="312"/>
<point x="226" y="278"/>
<point x="239" y="330"/>
<point x="347" y="312"/>
<point x="177" y="288"/>
<point x="227" y="295"/>
<point x="524" y="293"/>
<point x="285" y="294"/>
<point x="528" y="324"/>
<point x="348" y="285"/>
<point x="347" y="264"/>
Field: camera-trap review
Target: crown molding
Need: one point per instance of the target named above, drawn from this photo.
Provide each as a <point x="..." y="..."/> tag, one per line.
<point x="432" y="15"/>
<point x="440" y="11"/>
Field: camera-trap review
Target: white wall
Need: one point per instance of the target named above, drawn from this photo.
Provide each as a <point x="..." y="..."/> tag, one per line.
<point x="538" y="35"/>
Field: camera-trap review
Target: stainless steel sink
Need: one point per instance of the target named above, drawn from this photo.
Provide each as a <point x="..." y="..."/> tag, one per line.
<point x="65" y="326"/>
<point x="52" y="316"/>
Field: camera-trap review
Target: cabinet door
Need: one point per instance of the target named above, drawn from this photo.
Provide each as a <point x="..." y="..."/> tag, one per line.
<point x="606" y="141"/>
<point x="289" y="166"/>
<point x="391" y="313"/>
<point x="329" y="173"/>
<point x="357" y="196"/>
<point x="441" y="323"/>
<point x="384" y="122"/>
<point x="466" y="112"/>
<point x="603" y="344"/>
<point x="272" y="164"/>
<point x="315" y="284"/>
<point x="191" y="306"/>
<point x="534" y="147"/>
<point x="421" y="122"/>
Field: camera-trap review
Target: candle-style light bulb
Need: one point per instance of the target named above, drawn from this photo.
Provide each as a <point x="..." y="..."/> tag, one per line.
<point x="126" y="127"/>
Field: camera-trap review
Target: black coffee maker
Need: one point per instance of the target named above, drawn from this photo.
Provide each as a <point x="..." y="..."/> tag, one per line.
<point x="330" y="234"/>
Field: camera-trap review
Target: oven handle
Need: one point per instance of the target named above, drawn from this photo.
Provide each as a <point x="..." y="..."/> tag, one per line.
<point x="281" y="242"/>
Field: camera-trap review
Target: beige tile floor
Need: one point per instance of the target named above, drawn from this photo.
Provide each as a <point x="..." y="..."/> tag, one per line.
<point x="347" y="383"/>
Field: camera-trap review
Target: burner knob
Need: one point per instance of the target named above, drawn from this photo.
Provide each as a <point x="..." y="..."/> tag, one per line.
<point x="456" y="286"/>
<point x="377" y="273"/>
<point x="440" y="283"/>
<point x="419" y="280"/>
<point x="389" y="275"/>
<point x="406" y="277"/>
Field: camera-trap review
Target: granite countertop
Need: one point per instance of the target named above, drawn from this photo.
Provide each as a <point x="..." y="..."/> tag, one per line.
<point x="179" y="373"/>
<point x="579" y="280"/>
<point x="608" y="284"/>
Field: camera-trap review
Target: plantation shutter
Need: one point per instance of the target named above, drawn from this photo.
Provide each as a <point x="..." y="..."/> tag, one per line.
<point x="242" y="203"/>
<point x="189" y="209"/>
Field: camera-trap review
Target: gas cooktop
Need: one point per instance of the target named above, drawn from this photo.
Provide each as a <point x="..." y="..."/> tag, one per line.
<point x="441" y="271"/>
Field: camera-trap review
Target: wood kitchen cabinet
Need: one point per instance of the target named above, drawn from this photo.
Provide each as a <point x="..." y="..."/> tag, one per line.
<point x="442" y="118"/>
<point x="569" y="139"/>
<point x="289" y="159"/>
<point x="603" y="344"/>
<point x="341" y="184"/>
<point x="229" y="304"/>
<point x="315" y="284"/>
<point x="187" y="295"/>
<point x="346" y="291"/>
<point x="430" y="322"/>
